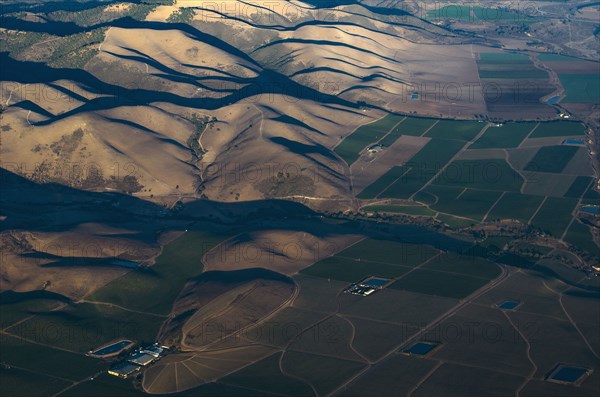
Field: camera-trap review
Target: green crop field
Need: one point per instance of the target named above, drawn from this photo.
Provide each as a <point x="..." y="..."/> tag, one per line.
<point x="508" y="66"/>
<point x="395" y="376"/>
<point x="417" y="210"/>
<point x="493" y="174"/>
<point x="454" y="129"/>
<point x="351" y="270"/>
<point x="324" y="373"/>
<point x="423" y="166"/>
<point x="265" y="375"/>
<point x="579" y="186"/>
<point x="383" y="182"/>
<point x="389" y="252"/>
<point x="373" y="338"/>
<point x="581" y="88"/>
<point x="557" y="58"/>
<point x="508" y="136"/>
<point x="464" y="264"/>
<point x="15" y="307"/>
<point x="581" y="236"/>
<point x="46" y="360"/>
<point x="438" y="283"/>
<point x="558" y="128"/>
<point x="404" y="308"/>
<point x="19" y="383"/>
<point x="365" y="135"/>
<point x="155" y="290"/>
<point x="516" y="206"/>
<point x="476" y="14"/>
<point x="551" y="159"/>
<point x="410" y="126"/>
<point x="471" y="203"/>
<point x="85" y="326"/>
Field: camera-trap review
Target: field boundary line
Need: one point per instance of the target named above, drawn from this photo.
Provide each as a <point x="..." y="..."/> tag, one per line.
<point x="537" y="210"/>
<point x="428" y="129"/>
<point x="388" y="186"/>
<point x="492" y="207"/>
<point x="465" y="146"/>
<point x="527" y="352"/>
<point x="528" y="135"/>
<point x="424" y="378"/>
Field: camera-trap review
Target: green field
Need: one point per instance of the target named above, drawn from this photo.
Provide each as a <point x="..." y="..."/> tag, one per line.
<point x="554" y="216"/>
<point x="265" y="375"/>
<point x="15" y="307"/>
<point x="390" y="252"/>
<point x="375" y="188"/>
<point x="46" y="360"/>
<point x="365" y="135"/>
<point x="547" y="57"/>
<point x="508" y="136"/>
<point x="455" y="129"/>
<point x="410" y="126"/>
<point x="581" y="88"/>
<point x="476" y="14"/>
<point x="438" y="283"/>
<point x="558" y="128"/>
<point x="155" y="290"/>
<point x="493" y="174"/>
<point x="464" y="264"/>
<point x="581" y="236"/>
<point x="471" y="203"/>
<point x="423" y="166"/>
<point x="374" y="338"/>
<point x="324" y="373"/>
<point x="350" y="270"/>
<point x="19" y="383"/>
<point x="508" y="66"/>
<point x="579" y="186"/>
<point x="85" y="326"/>
<point x="455" y="222"/>
<point x="417" y="210"/>
<point x="551" y="159"/>
<point x="516" y="206"/>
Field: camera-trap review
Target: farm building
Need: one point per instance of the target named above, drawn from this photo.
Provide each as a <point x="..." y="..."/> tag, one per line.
<point x="124" y="370"/>
<point x="141" y="358"/>
<point x="375" y="148"/>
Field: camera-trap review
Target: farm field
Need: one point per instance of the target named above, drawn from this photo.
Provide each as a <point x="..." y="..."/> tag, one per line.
<point x="349" y="149"/>
<point x="351" y="270"/>
<point x="439" y="283"/>
<point x="16" y="306"/>
<point x="416" y="309"/>
<point x="551" y="159"/>
<point x="454" y="379"/>
<point x="17" y="382"/>
<point x="483" y="338"/>
<point x="516" y="206"/>
<point x="155" y="291"/>
<point x="266" y="375"/>
<point x="554" y="215"/>
<point x="396" y="376"/>
<point x="46" y="360"/>
<point x="464" y="264"/>
<point x="416" y="210"/>
<point x="581" y="88"/>
<point x="580" y="235"/>
<point x="332" y="371"/>
<point x="508" y="136"/>
<point x="409" y="126"/>
<point x="467" y="203"/>
<point x="375" y="338"/>
<point x="85" y="326"/>
<point x="492" y="174"/>
<point x="452" y="129"/>
<point x="558" y="128"/>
